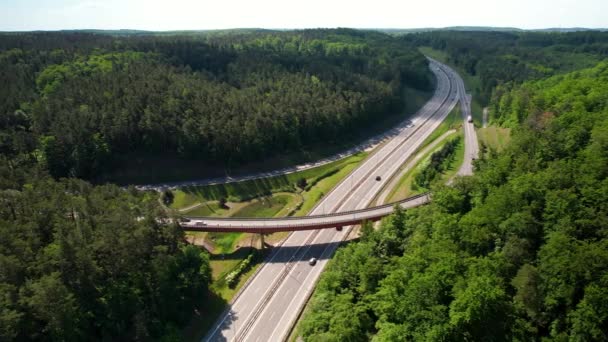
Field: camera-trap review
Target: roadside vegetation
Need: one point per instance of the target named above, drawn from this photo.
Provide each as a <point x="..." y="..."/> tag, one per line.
<point x="515" y="252"/>
<point x="493" y="138"/>
<point x="407" y="185"/>
<point x="452" y="121"/>
<point x="249" y="189"/>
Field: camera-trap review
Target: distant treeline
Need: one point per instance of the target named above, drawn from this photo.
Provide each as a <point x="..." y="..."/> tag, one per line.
<point x="77" y="101"/>
<point x="500" y="58"/>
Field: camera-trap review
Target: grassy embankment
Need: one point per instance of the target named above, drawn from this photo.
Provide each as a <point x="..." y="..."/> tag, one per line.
<point x="406" y="187"/>
<point x="403" y="189"/>
<point x="493" y="137"/>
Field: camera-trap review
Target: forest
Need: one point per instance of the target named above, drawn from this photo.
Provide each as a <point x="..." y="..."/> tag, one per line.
<point x="517" y="252"/>
<point x="80" y="260"/>
<point x="505" y="59"/>
<point x="81" y="104"/>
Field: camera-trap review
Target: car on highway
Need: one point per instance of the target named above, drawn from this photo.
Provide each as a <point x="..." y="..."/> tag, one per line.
<point x="312" y="261"/>
<point x="200" y="224"/>
<point x="378" y="178"/>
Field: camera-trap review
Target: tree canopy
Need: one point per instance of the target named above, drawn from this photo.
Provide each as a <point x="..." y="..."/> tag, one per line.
<point x="519" y="251"/>
<point x="86" y="102"/>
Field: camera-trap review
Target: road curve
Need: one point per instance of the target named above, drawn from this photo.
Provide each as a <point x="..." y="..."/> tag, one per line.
<point x="268" y="306"/>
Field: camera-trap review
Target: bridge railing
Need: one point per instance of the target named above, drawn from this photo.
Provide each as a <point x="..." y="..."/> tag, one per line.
<point x="311" y="217"/>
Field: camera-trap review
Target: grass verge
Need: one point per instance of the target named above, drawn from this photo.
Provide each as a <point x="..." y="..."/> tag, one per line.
<point x="493" y="137"/>
<point x="405" y="187"/>
<point x="246" y="190"/>
<point x="452" y="121"/>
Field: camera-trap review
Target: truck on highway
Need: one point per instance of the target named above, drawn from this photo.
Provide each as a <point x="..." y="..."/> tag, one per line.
<point x="469" y="118"/>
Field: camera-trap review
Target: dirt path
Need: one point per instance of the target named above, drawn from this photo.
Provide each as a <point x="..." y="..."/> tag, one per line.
<point x="194" y="206"/>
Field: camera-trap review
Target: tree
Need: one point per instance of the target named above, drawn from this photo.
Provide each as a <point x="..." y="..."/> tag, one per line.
<point x="167" y="196"/>
<point x="480" y="310"/>
<point x="302" y="183"/>
<point x="222" y="202"/>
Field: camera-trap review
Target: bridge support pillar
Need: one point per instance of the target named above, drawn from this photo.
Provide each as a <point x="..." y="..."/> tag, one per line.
<point x="262" y="244"/>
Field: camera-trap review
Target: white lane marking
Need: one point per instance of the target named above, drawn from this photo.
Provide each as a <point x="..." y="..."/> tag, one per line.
<point x="378" y="157"/>
<point x="266" y="265"/>
<point x="328" y="250"/>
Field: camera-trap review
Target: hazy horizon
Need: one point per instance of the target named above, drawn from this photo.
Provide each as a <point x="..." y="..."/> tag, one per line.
<point x="311" y="28"/>
<point x="187" y="15"/>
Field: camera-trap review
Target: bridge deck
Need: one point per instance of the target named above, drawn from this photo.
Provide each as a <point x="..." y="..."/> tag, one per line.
<point x="271" y="225"/>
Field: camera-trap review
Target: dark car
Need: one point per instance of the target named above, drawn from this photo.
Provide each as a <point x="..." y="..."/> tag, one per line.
<point x="378" y="178"/>
<point x="312" y="261"/>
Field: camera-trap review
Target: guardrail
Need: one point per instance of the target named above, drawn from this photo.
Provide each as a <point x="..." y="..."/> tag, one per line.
<point x="276" y="224"/>
<point x="388" y="205"/>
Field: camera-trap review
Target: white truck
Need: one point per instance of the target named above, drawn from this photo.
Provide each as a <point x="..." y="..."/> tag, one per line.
<point x="469" y="118"/>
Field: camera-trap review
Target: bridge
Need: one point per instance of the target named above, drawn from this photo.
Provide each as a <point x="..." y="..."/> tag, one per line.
<point x="284" y="224"/>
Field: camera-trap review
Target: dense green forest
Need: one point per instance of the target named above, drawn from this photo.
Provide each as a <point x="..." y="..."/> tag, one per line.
<point x="509" y="58"/>
<point x="80" y="103"/>
<point x="79" y="262"/>
<point x="517" y="252"/>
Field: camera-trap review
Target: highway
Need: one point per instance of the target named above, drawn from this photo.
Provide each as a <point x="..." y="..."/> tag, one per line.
<point x="267" y="307"/>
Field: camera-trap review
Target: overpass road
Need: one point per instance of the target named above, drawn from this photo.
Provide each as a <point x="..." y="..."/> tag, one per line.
<point x="267" y="307"/>
<point x="311" y="222"/>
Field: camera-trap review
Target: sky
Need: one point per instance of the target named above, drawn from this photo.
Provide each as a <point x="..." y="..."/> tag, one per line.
<point x="26" y="15"/>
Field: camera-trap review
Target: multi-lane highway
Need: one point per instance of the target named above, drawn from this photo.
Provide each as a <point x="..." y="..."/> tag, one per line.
<point x="268" y="306"/>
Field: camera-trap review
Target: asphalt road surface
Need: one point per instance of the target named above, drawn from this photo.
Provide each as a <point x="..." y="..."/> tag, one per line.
<point x="471" y="146"/>
<point x="269" y="304"/>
